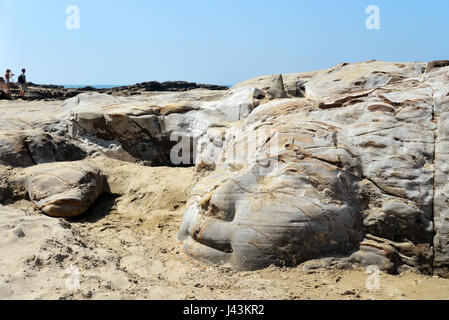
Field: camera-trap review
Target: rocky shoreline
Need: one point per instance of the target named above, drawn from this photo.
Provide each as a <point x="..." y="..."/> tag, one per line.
<point x="54" y="92"/>
<point x="279" y="176"/>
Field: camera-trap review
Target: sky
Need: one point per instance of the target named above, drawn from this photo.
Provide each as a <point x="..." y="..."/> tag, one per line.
<point x="211" y="41"/>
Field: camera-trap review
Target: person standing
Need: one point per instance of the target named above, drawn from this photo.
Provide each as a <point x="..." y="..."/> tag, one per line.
<point x="23" y="83"/>
<point x="8" y="76"/>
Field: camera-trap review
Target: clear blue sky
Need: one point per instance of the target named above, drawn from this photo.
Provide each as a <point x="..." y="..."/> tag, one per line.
<point x="211" y="41"/>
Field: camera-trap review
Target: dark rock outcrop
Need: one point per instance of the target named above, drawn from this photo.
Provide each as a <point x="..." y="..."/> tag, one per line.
<point x="277" y="89"/>
<point x="54" y="92"/>
<point x="436" y="64"/>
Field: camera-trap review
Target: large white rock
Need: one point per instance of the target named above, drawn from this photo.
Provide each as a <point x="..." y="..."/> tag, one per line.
<point x="353" y="159"/>
<point x="147" y="128"/>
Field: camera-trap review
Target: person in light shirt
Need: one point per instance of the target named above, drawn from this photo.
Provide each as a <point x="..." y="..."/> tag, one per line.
<point x="8" y="76"/>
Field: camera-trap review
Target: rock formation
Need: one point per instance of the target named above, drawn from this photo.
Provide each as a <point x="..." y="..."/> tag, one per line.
<point x="356" y="169"/>
<point x="152" y="130"/>
<point x="28" y="148"/>
<point x="54" y="92"/>
<point x="4" y="94"/>
<point x="65" y="189"/>
<point x="277" y="89"/>
<point x="344" y="166"/>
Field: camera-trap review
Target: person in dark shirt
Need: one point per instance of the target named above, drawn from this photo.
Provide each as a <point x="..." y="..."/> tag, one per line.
<point x="23" y="83"/>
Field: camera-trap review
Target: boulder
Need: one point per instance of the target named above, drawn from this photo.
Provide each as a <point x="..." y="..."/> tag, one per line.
<point x="5" y="95"/>
<point x="65" y="189"/>
<point x="436" y="64"/>
<point x="277" y="89"/>
<point x="278" y="83"/>
<point x="258" y="94"/>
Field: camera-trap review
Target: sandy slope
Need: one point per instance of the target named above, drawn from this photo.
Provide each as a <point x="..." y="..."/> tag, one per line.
<point x="126" y="248"/>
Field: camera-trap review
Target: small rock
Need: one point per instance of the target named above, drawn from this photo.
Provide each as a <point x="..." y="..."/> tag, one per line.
<point x="258" y="94"/>
<point x="277" y="89"/>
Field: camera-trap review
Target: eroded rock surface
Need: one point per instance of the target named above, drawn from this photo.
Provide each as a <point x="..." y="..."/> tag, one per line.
<point x="354" y="170"/>
<point x="147" y="129"/>
<point x="65" y="189"/>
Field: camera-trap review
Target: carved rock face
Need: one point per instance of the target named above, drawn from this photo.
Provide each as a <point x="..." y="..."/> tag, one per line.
<point x="252" y="220"/>
<point x="353" y="160"/>
<point x="281" y="204"/>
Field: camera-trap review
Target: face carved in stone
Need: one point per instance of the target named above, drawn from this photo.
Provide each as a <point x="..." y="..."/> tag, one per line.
<point x="278" y="205"/>
<point x="358" y="175"/>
